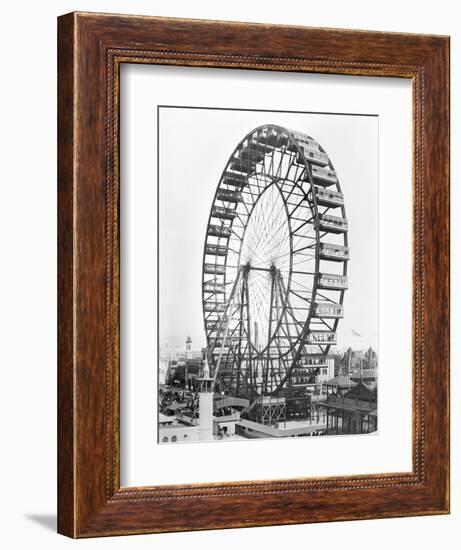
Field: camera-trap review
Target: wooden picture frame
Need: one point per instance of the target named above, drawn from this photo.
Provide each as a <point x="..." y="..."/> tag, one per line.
<point x="92" y="48"/>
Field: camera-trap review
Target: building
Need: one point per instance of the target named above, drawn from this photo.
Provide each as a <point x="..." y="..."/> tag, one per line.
<point x="351" y="362"/>
<point x="227" y="412"/>
<point x="183" y="374"/>
<point x="371" y="359"/>
<point x="172" y="430"/>
<point x="312" y="372"/>
<point x="224" y="426"/>
<point x="354" y="412"/>
<point x="181" y="424"/>
<point x="188" y="347"/>
<point x="183" y="371"/>
<point x="339" y="385"/>
<point x="205" y="398"/>
<point x="355" y="361"/>
<point x="367" y="376"/>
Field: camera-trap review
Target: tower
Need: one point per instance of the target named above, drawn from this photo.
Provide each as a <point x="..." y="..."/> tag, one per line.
<point x="205" y="384"/>
<point x="188" y="347"/>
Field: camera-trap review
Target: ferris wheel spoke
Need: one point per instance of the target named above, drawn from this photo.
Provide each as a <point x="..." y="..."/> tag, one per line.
<point x="297" y="325"/>
<point x="286" y="158"/>
<point x="301" y="238"/>
<point x="310" y="246"/>
<point x="326" y="298"/>
<point x="282" y="231"/>
<point x="256" y="300"/>
<point x="254" y="252"/>
<point x="279" y="163"/>
<point x="297" y="229"/>
<point x="296" y="293"/>
<point x="325" y="323"/>
<point x="240" y="237"/>
<point x="280" y="244"/>
<point x="295" y="281"/>
<point x="284" y="220"/>
<point x="262" y="224"/>
<point x="290" y="162"/>
<point x="271" y="166"/>
<point x="264" y="233"/>
<point x="284" y="255"/>
<point x="242" y="221"/>
<point x="304" y="259"/>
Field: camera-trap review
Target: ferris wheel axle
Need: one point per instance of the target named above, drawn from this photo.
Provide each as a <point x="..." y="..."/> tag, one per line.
<point x="248" y="267"/>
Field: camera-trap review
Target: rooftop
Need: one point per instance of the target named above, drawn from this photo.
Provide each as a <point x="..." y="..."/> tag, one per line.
<point x="340" y="381"/>
<point x="366" y="373"/>
<point x="349" y="404"/>
<point x="163" y="418"/>
<point x="176" y="406"/>
<point x="270" y="431"/>
<point x="361" y="391"/>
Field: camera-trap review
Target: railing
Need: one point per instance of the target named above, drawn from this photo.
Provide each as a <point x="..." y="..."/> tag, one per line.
<point x="235" y="179"/>
<point x="313" y="363"/>
<point x="324" y="174"/>
<point x="219" y="231"/>
<point x="234" y="340"/>
<point x="311" y="149"/>
<point x="306" y="140"/>
<point x="215" y="249"/>
<point x="328" y="309"/>
<point x="216" y="288"/>
<point x="333" y="222"/>
<point x="327" y="281"/>
<point x="214" y="306"/>
<point x="214" y="269"/>
<point x="334" y="251"/>
<point x="252" y="156"/>
<point x="321" y="337"/>
<point x="353" y="403"/>
<point x="223" y="213"/>
<point x="329" y="197"/>
<point x="275" y="139"/>
<point x="229" y="196"/>
<point x="256" y="145"/>
<point x="315" y="155"/>
<point x="242" y="165"/>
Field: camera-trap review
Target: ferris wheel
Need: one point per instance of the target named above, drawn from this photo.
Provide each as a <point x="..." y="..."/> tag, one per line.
<point x="275" y="262"/>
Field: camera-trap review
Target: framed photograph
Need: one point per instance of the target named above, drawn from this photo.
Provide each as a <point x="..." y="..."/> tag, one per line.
<point x="253" y="275"/>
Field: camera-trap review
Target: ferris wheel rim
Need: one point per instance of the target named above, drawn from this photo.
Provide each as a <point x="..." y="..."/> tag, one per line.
<point x="298" y="342"/>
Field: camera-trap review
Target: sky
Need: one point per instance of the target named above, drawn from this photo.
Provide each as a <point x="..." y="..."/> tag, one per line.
<point x="194" y="146"/>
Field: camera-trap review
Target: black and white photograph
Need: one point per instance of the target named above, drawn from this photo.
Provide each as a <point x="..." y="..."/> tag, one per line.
<point x="267" y="274"/>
